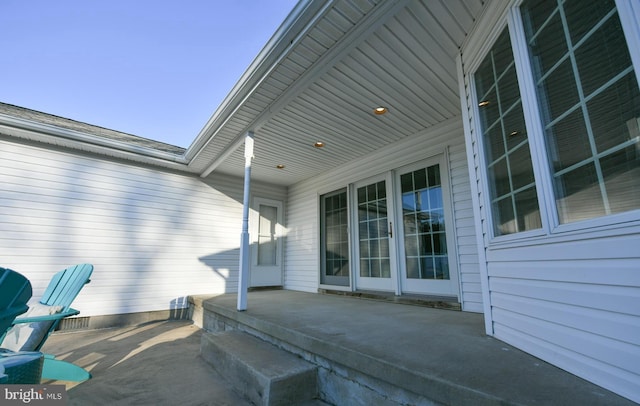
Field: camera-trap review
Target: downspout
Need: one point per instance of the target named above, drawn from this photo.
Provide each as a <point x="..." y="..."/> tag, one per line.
<point x="243" y="281"/>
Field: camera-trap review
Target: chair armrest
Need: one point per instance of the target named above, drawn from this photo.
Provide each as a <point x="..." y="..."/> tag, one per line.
<point x="48" y="317"/>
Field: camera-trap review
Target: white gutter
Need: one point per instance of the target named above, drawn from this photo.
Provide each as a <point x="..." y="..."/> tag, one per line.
<point x="304" y="15"/>
<point x="35" y="131"/>
<point x="323" y="64"/>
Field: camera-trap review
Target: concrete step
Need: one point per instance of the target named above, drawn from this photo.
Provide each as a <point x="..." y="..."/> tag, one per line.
<point x="263" y="373"/>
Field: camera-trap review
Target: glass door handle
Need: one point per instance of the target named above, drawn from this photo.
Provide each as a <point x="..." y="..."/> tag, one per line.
<point x="390" y="230"/>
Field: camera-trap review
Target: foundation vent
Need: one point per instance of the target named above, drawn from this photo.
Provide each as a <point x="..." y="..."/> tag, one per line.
<point x="75" y="323"/>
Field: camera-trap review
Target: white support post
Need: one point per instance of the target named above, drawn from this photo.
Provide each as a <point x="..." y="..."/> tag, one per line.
<point x="243" y="281"/>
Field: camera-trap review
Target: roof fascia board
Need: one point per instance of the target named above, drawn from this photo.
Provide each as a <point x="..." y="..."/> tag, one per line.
<point x="301" y="19"/>
<point x="351" y="40"/>
<point x="35" y="131"/>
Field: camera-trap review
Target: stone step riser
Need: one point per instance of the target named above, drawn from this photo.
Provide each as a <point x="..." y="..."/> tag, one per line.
<point x="263" y="373"/>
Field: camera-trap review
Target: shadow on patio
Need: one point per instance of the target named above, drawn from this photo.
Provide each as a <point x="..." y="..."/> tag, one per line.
<point x="149" y="364"/>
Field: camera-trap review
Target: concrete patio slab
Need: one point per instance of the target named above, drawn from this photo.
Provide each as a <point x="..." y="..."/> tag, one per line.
<point x="160" y="364"/>
<point x="441" y="355"/>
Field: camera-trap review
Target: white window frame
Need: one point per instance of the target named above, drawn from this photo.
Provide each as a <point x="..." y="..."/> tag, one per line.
<point x="508" y="15"/>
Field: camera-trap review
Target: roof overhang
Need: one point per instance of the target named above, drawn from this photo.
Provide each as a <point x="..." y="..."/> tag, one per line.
<point x="321" y="76"/>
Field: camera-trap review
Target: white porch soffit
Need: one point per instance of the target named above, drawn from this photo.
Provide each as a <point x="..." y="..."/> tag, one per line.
<point x="322" y="74"/>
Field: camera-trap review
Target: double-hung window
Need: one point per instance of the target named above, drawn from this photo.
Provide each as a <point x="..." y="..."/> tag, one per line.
<point x="587" y="116"/>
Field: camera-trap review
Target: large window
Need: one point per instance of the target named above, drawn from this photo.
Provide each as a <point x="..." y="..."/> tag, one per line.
<point x="586" y="161"/>
<point x="590" y="105"/>
<point x="514" y="204"/>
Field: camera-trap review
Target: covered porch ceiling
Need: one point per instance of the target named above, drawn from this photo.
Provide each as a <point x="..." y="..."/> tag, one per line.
<point x="320" y="78"/>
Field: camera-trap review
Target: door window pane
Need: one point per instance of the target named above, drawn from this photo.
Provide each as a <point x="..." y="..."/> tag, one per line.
<point x="425" y="242"/>
<point x="590" y="103"/>
<point x="267" y="246"/>
<point x="510" y="169"/>
<point x="334" y="238"/>
<point x="373" y="231"/>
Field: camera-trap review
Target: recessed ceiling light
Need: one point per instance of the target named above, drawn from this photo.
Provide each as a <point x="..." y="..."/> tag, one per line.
<point x="484" y="103"/>
<point x="380" y="110"/>
<point x="280" y="166"/>
<point x="318" y="144"/>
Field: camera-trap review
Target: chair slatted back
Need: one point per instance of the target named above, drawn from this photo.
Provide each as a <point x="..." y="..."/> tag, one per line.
<point x="62" y="291"/>
<point x="66" y="285"/>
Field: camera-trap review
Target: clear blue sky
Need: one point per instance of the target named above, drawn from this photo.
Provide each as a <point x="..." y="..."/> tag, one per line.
<point x="153" y="68"/>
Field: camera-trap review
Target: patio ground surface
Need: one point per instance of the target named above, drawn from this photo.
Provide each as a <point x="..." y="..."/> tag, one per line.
<point x="160" y="363"/>
<point x="151" y="364"/>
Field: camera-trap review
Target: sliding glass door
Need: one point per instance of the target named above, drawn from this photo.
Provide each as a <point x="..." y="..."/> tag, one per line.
<point x="401" y="237"/>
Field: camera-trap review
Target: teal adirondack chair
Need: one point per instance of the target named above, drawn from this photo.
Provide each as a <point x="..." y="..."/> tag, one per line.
<point x="15" y="292"/>
<point x="30" y="331"/>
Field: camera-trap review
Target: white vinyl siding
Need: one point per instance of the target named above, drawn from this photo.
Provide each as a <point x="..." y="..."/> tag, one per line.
<point x="466" y="246"/>
<point x="302" y="260"/>
<point x="153" y="236"/>
<point x="569" y="295"/>
<point x="574" y="304"/>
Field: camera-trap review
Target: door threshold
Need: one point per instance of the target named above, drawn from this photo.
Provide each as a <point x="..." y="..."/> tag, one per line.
<point x="261" y="288"/>
<point x="435" y="302"/>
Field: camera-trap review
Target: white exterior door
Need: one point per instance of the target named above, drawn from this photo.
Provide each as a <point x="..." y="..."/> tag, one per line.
<point x="403" y="240"/>
<point x="425" y="235"/>
<point x="266" y="243"/>
<point x="373" y="237"/>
